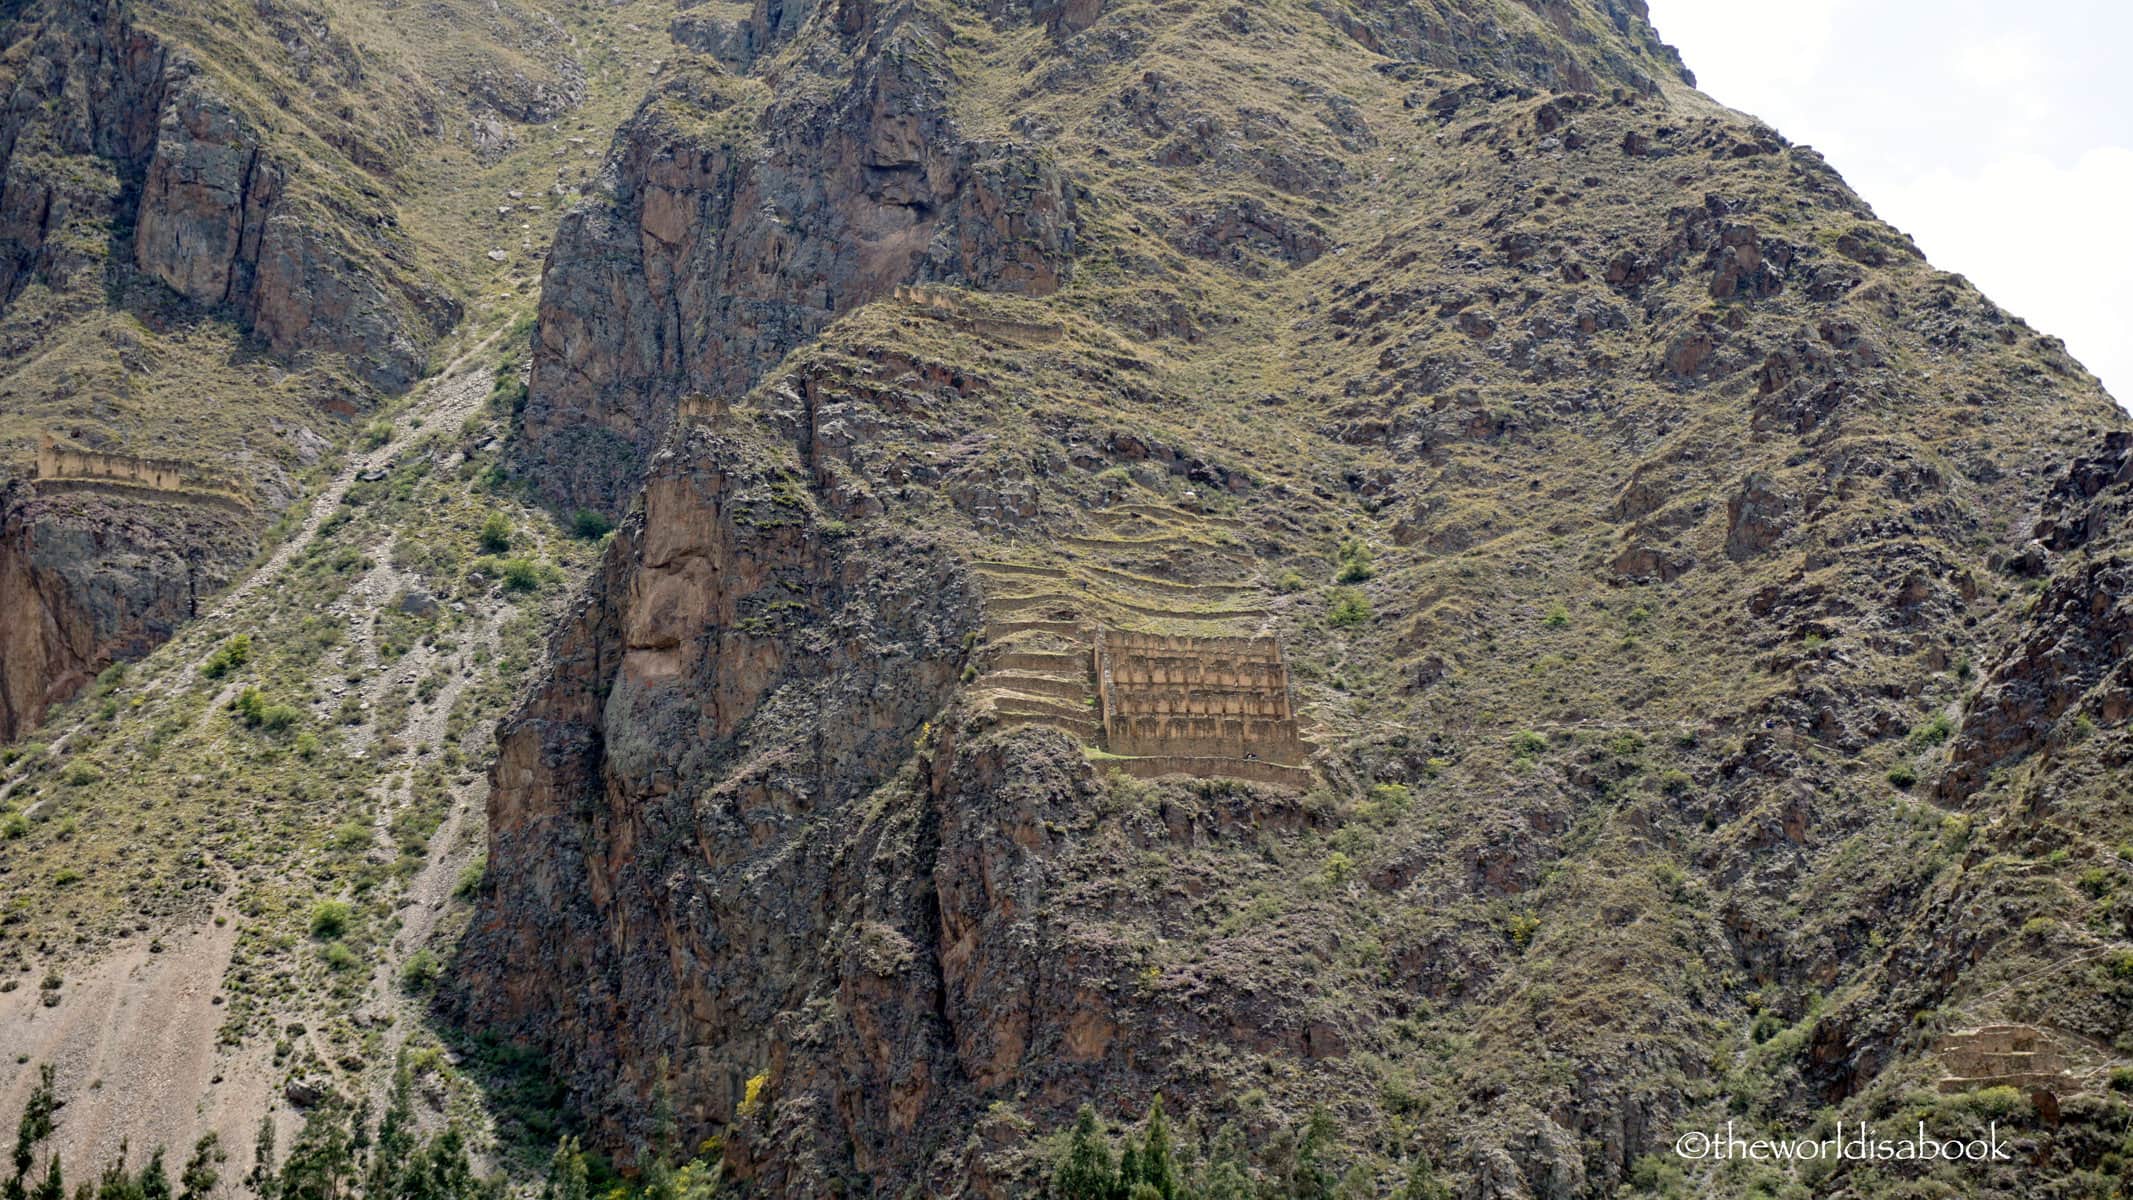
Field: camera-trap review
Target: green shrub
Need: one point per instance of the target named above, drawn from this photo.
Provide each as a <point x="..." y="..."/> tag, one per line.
<point x="1992" y="1103"/>
<point x="377" y="433"/>
<point x="1391" y="799"/>
<point x="1355" y="564"/>
<point x="2098" y="882"/>
<point x="339" y="957"/>
<point x="470" y="878"/>
<point x="1338" y="869"/>
<point x="248" y="705"/>
<point x="521" y="575"/>
<point x="330" y="918"/>
<point x="15" y="826"/>
<point x="1558" y="616"/>
<point x="2121" y="1079"/>
<point x="1526" y="743"/>
<point x="590" y="525"/>
<point x="1903" y="775"/>
<point x="277" y="717"/>
<point x="1349" y="608"/>
<point x="496" y="533"/>
<point x="349" y="836"/>
<point x="1290" y="582"/>
<point x="228" y="657"/>
<point x="508" y="397"/>
<point x="419" y="973"/>
<point x="1933" y="732"/>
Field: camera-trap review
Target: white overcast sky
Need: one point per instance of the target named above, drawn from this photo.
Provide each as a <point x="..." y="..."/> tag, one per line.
<point x="1999" y="136"/>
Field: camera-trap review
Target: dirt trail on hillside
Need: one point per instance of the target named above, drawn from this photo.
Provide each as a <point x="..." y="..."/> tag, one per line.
<point x="133" y="1040"/>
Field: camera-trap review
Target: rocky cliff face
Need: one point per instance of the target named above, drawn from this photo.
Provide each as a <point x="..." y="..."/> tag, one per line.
<point x="743" y="214"/>
<point x="216" y="225"/>
<point x="141" y="191"/>
<point x="88" y="580"/>
<point x="698" y="713"/>
<point x="155" y="149"/>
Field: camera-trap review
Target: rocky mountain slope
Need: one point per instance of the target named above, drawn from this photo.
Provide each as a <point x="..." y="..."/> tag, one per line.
<point x="229" y="234"/>
<point x="1691" y="494"/>
<point x="1703" y="615"/>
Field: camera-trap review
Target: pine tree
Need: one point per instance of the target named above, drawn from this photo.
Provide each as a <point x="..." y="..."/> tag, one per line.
<point x="1086" y="1173"/>
<point x="566" y="1173"/>
<point x="395" y="1142"/>
<point x="322" y="1158"/>
<point x="154" y="1183"/>
<point x="114" y="1183"/>
<point x="53" y="1187"/>
<point x="263" y="1179"/>
<point x="441" y="1171"/>
<point x="1129" y="1169"/>
<point x="1312" y="1178"/>
<point x="34" y="1126"/>
<point x="197" y="1181"/>
<point x="1158" y="1169"/>
<point x="1228" y="1177"/>
<point x="1422" y="1181"/>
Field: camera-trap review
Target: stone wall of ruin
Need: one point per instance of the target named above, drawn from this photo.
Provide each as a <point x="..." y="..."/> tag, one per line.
<point x="2002" y="1055"/>
<point x="57" y="464"/>
<point x="1195" y="697"/>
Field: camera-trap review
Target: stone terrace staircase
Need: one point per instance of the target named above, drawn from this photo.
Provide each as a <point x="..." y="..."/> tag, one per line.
<point x="2018" y="1056"/>
<point x="1047" y="625"/>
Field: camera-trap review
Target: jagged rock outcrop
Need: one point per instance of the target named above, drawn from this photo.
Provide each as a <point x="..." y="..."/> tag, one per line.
<point x="106" y="127"/>
<point x="2072" y="658"/>
<point x="215" y="223"/>
<point x="130" y="174"/>
<point x="82" y="87"/>
<point x="87" y="580"/>
<point x="700" y="719"/>
<point x="743" y="215"/>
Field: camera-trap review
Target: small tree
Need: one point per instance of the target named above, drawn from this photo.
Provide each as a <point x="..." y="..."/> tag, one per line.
<point x="1312" y="1176"/>
<point x="154" y="1183"/>
<point x="31" y="1129"/>
<point x="1086" y="1173"/>
<point x="1422" y="1181"/>
<point x="1226" y="1176"/>
<point x="590" y="525"/>
<point x="1158" y="1170"/>
<point x="202" y="1171"/>
<point x="566" y="1173"/>
<point x="264" y="1181"/>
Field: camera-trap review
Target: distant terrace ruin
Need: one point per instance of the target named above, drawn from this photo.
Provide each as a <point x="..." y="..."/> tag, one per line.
<point x="1195" y="697"/>
<point x="2017" y="1056"/>
<point x="948" y="307"/>
<point x="66" y="465"/>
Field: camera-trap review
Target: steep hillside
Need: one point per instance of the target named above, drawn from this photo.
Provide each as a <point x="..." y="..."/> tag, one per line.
<point x="1633" y="507"/>
<point x="180" y="473"/>
<point x="229" y="234"/>
<point x="1623" y="643"/>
